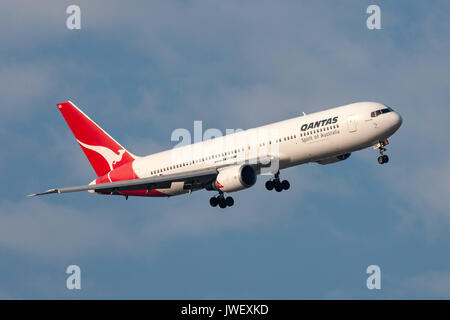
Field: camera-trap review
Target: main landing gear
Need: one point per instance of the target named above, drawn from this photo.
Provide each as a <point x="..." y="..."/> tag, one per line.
<point x="276" y="184"/>
<point x="222" y="201"/>
<point x="382" y="159"/>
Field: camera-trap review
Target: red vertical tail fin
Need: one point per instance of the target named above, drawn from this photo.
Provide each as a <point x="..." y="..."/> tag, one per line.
<point x="103" y="152"/>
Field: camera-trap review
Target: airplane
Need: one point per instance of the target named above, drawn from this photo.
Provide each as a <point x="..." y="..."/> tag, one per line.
<point x="230" y="163"/>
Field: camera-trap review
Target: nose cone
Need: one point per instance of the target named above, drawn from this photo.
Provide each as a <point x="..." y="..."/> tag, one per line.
<point x="396" y="120"/>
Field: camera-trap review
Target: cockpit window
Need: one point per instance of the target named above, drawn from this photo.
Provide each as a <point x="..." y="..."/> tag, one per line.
<point x="381" y="111"/>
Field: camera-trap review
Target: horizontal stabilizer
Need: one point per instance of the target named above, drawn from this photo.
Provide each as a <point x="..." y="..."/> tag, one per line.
<point x="42" y="193"/>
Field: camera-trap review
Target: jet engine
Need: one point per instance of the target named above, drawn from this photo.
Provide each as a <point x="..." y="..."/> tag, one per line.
<point x="234" y="178"/>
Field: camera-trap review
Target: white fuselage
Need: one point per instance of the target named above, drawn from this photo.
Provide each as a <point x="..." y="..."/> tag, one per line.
<point x="309" y="138"/>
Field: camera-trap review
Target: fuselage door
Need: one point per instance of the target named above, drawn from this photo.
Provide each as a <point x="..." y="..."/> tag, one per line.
<point x="352" y="123"/>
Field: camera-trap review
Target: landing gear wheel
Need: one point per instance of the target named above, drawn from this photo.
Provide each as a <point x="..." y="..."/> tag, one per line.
<point x="380" y="160"/>
<point x="278" y="186"/>
<point x="383" y="159"/>
<point x="213" y="202"/>
<point x="229" y="201"/>
<point x="222" y="202"/>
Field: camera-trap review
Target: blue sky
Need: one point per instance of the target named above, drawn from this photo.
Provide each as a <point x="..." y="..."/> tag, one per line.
<point x="145" y="69"/>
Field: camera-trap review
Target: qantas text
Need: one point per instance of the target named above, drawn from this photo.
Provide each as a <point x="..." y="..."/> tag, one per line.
<point x="320" y="123"/>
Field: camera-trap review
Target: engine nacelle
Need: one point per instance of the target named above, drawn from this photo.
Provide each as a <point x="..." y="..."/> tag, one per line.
<point x="234" y="178"/>
<point x="334" y="159"/>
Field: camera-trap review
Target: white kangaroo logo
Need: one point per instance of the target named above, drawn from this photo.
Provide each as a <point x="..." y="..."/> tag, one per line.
<point x="110" y="156"/>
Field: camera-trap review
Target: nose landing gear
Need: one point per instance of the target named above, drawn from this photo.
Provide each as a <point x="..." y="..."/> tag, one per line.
<point x="382" y="159"/>
<point x="221" y="200"/>
<point x="276" y="184"/>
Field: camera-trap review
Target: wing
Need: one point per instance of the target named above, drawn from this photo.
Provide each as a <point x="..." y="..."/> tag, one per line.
<point x="192" y="179"/>
<point x="196" y="179"/>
